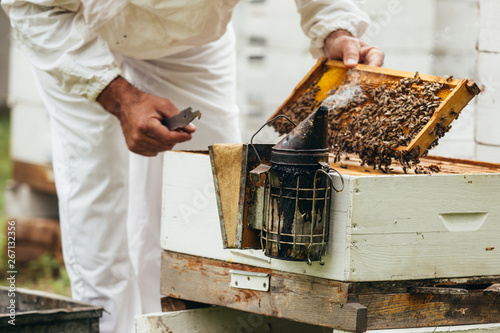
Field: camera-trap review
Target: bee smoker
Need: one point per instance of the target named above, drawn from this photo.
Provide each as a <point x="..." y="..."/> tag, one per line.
<point x="298" y="193"/>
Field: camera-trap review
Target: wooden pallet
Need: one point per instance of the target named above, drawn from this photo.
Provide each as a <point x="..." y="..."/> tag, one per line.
<point x="348" y="306"/>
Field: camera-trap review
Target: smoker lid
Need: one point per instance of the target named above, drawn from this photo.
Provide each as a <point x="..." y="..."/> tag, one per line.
<point x="310" y="134"/>
<point x="305" y="144"/>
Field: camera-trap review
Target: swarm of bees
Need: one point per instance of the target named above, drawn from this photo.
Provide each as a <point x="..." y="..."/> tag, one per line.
<point x="374" y="121"/>
<point x="297" y="111"/>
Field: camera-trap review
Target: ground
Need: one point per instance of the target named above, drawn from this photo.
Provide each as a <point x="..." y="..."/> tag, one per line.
<point x="45" y="273"/>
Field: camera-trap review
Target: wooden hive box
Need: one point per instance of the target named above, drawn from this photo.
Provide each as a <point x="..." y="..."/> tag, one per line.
<point x="384" y="227"/>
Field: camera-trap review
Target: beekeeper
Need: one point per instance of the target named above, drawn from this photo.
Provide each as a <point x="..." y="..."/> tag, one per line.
<point x="109" y="70"/>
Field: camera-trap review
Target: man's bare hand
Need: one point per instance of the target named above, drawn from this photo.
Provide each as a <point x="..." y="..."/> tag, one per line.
<point x="341" y="45"/>
<point x="140" y="116"/>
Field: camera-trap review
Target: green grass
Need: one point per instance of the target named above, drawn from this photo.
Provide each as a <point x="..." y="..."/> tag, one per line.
<point x="5" y="163"/>
<point x="44" y="273"/>
<point x="5" y="174"/>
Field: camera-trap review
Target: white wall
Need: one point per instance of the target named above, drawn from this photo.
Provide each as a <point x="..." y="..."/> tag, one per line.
<point x="487" y="120"/>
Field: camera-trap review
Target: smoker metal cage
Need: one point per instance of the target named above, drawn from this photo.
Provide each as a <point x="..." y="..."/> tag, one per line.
<point x="296" y="219"/>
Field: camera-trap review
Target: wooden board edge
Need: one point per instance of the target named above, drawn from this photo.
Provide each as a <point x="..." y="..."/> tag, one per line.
<point x="361" y="314"/>
<point x="490" y="165"/>
<point x="217" y="196"/>
<point x="395" y="72"/>
<point x="405" y="310"/>
<point x="448" y="110"/>
<point x="240" y="224"/>
<point x="207" y="281"/>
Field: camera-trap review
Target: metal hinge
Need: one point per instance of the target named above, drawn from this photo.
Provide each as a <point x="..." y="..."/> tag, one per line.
<point x="249" y="280"/>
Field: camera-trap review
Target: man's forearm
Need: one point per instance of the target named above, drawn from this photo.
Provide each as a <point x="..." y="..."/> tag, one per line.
<point x="118" y="92"/>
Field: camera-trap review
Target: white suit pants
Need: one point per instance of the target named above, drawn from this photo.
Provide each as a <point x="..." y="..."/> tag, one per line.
<point x="109" y="198"/>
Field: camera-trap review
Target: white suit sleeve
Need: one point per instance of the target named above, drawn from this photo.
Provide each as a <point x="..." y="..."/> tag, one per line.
<point x="321" y="17"/>
<point x="54" y="37"/>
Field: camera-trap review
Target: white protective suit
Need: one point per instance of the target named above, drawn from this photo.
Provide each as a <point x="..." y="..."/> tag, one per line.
<point x="110" y="199"/>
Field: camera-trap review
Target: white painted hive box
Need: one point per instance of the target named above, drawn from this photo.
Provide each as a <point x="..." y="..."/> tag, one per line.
<point x="383" y="227"/>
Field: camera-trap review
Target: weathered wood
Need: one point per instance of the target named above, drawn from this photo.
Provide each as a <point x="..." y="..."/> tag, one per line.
<point x="494" y="289"/>
<point x="38" y="311"/>
<point x="219" y="319"/>
<point x="297" y="297"/>
<point x="40" y="177"/>
<point x="435" y="165"/>
<point x="175" y="304"/>
<point x="391" y="287"/>
<point x="437" y="291"/>
<point x="424" y="310"/>
<point x="231" y="165"/>
<point x="354" y="306"/>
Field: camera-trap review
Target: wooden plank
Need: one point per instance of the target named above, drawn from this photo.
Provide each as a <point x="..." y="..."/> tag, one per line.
<point x="40" y="177"/>
<point x="38" y="311"/>
<point x="411" y="204"/>
<point x="437" y="291"/>
<point x="350" y="164"/>
<point x="423" y="310"/>
<point x="494" y="289"/>
<point x="218" y="319"/>
<point x="465" y="164"/>
<point x="383" y="74"/>
<point x="293" y="296"/>
<point x="390" y="287"/>
<point x="447" y="111"/>
<point x="351" y="307"/>
<point x="407" y="257"/>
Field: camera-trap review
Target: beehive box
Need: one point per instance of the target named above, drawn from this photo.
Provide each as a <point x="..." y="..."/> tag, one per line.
<point x="383" y="226"/>
<point x="23" y="311"/>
